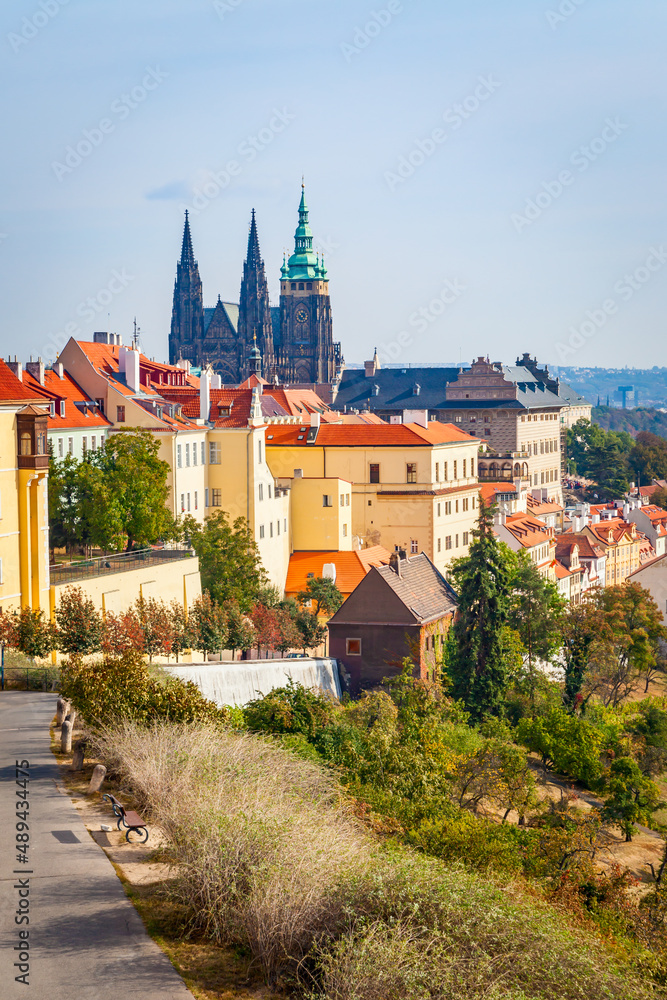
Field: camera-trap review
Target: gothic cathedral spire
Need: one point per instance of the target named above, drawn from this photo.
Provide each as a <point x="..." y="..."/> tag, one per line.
<point x="187" y="318"/>
<point x="255" y="330"/>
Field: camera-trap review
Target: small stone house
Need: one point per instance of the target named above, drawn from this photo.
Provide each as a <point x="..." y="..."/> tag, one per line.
<point x="403" y="609"/>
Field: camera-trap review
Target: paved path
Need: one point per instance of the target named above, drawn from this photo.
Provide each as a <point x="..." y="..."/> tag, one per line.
<point x="86" y="940"/>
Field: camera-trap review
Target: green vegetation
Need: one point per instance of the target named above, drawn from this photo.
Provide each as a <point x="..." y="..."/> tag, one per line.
<point x="610" y="418"/>
<point x="613" y="458"/>
<point x="228" y="559"/>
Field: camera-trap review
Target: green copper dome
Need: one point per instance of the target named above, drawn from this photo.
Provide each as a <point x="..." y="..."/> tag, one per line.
<point x="303" y="264"/>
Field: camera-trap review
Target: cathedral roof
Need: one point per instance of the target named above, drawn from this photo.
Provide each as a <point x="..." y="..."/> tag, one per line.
<point x="231" y="310"/>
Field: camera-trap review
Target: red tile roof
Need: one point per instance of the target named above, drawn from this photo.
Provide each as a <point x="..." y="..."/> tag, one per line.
<point x="66" y="390"/>
<point x="351" y="567"/>
<point x="528" y="530"/>
<point x="12" y="389"/>
<point x="490" y="491"/>
<point x="587" y="548"/>
<point x="371" y="435"/>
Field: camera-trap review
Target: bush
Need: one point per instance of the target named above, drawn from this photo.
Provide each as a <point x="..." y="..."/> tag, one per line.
<point x="566" y="743"/>
<point x="126" y="688"/>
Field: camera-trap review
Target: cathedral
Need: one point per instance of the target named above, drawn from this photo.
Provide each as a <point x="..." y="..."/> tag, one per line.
<point x="290" y="343"/>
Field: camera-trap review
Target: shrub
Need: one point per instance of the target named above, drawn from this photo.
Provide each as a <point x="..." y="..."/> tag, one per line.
<point x="565" y="742"/>
<point x="126" y="688"/>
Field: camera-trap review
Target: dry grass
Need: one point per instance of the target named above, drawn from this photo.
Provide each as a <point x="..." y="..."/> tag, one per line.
<point x="267" y="854"/>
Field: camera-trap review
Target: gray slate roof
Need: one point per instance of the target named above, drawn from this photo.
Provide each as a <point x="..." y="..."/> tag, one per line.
<point x="420" y="587"/>
<point x="232" y="311"/>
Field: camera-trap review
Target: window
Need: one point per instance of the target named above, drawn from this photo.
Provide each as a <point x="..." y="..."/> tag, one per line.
<point x="187" y="456"/>
<point x="25" y="444"/>
<point x="487" y="433"/>
<point x="261" y="531"/>
<point x="70" y="445"/>
<point x="203" y="453"/>
<point x="100" y="405"/>
<point x="456" y="474"/>
<point x="60" y="447"/>
<point x="269" y="489"/>
<point x="52" y="408"/>
<point x="261" y="491"/>
<point x="84" y="444"/>
<point x="347" y="499"/>
<point x="444" y="472"/>
<point x="466" y="537"/>
<point x="277" y="527"/>
<point x="62" y="407"/>
<point x="457" y="542"/>
<point x="472" y="468"/>
<point x="440" y="545"/>
<point x="448" y="507"/>
<point x="411" y="472"/>
<point x="216" y="498"/>
<point x="353" y="647"/>
<point x="182" y="503"/>
<point x="342" y="499"/>
<point x="205" y="498"/>
<point x="437" y="508"/>
<point x="437" y="472"/>
<point x="327" y="500"/>
<point x="465" y="504"/>
<point x="465" y="463"/>
<point x="194" y="452"/>
<point x="414" y="546"/>
<point x="93" y="443"/>
<point x="448" y="542"/>
<point x="271" y="530"/>
<point x="374" y="476"/>
<point x="214" y="453"/>
<point x="196" y="500"/>
<point x="344" y="531"/>
<point x="179" y="456"/>
<point x="456" y="507"/>
<point x="259" y="451"/>
<point x="120" y="414"/>
<point x="285" y="524"/>
<point x="188" y="503"/>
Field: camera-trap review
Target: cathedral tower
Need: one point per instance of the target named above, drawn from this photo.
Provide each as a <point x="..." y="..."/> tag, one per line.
<point x="187" y="317"/>
<point x="307" y="352"/>
<point x="255" y="330"/>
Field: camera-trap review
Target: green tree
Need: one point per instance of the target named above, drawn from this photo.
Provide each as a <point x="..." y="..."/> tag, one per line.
<point x="180" y="629"/>
<point x="209" y="625"/>
<point x="312" y="633"/>
<point x="137" y="479"/>
<point x="79" y="623"/>
<point x="478" y="670"/>
<point x="568" y="743"/>
<point x="229" y="560"/>
<point x="582" y="627"/>
<point x="155" y="622"/>
<point x="535" y="614"/>
<point x="648" y="458"/>
<point x="321" y="595"/>
<point x="632" y="797"/>
<point x="29" y="632"/>
<point x="241" y="632"/>
<point x="601" y="456"/>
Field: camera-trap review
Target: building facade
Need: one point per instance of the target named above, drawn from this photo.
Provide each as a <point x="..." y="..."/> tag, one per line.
<point x="292" y="342"/>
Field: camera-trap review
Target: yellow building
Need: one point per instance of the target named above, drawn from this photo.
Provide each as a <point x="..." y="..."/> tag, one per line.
<point x="24" y="531"/>
<point x="413" y="487"/>
<point x="620" y="542"/>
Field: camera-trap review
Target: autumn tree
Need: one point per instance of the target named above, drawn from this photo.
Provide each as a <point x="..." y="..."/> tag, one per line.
<point x="483" y="578"/>
<point x="29" y="631"/>
<point x="79" y="623"/>
<point x="229" y="560"/>
<point x="155" y="622"/>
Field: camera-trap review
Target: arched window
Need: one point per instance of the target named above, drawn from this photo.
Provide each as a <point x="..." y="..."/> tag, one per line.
<point x="517" y="469"/>
<point x="26" y="444"/>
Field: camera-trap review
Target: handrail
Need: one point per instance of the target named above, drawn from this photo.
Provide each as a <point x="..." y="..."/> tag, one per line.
<point x="117" y="562"/>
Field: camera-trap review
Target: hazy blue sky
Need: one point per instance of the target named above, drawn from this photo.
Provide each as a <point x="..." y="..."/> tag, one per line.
<point x="161" y="95"/>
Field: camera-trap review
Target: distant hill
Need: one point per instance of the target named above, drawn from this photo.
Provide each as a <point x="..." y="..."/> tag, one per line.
<point x="649" y="385"/>
<point x="632" y="421"/>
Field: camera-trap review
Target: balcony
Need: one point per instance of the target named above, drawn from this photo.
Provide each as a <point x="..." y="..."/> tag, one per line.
<point x="119" y="562"/>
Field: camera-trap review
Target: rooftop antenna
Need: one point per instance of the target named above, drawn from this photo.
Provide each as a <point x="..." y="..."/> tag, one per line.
<point x="135" y="336"/>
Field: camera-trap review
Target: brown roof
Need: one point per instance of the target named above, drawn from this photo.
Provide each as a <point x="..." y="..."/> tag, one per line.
<point x="420" y="587"/>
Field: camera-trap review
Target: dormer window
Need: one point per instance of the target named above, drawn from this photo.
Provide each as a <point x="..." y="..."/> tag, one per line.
<point x="62" y="407"/>
<point x="52" y="408"/>
<point x="416" y="389"/>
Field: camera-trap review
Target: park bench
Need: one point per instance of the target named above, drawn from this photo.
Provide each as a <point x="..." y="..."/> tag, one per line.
<point x="129" y="819"/>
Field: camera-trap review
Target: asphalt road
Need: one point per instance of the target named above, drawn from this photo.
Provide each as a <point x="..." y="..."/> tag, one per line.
<point x="85" y="939"/>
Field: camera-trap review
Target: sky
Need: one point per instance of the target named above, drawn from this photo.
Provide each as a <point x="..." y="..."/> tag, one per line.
<point x="484" y="178"/>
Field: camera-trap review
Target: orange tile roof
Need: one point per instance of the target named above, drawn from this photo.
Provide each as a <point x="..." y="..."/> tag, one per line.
<point x="372" y="435"/>
<point x="528" y="530"/>
<point x="12" y="389"/>
<point x="618" y="528"/>
<point x="66" y="390"/>
<point x="489" y="491"/>
<point x="543" y="507"/>
<point x="351" y="567"/>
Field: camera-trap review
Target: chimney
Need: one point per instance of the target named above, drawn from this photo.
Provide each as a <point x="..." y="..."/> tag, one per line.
<point x="58" y="369"/>
<point x="100" y="337"/>
<point x="129" y="363"/>
<point x="204" y="394"/>
<point x="499" y="518"/>
<point x="36" y="369"/>
<point x="369" y="368"/>
<point x="298" y="473"/>
<point x="216" y="381"/>
<point x="315" y="420"/>
<point x="329" y="571"/>
<point x="395" y="563"/>
<point x="17" y="368"/>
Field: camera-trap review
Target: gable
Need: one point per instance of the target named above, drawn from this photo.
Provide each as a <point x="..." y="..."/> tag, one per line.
<point x="373" y="602"/>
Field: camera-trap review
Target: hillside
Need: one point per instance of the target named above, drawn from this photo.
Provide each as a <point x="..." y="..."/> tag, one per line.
<point x="632" y="421"/>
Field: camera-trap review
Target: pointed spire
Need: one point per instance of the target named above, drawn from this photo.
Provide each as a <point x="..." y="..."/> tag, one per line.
<point x="187" y="253"/>
<point x="254" y="257"/>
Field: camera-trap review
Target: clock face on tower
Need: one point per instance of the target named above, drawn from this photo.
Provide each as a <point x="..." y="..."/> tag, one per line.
<point x="301" y="314"/>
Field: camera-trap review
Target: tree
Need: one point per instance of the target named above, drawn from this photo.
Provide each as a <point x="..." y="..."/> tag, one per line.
<point x="137" y="479"/>
<point x="535" y="614"/>
<point x="267" y="627"/>
<point x="321" y="595"/>
<point x="209" y="625"/>
<point x="289" y="636"/>
<point x="632" y="797"/>
<point x="583" y="628"/>
<point x="79" y="623"/>
<point x="180" y="628"/>
<point x="601" y="456"/>
<point x="229" y="560"/>
<point x="648" y="458"/>
<point x="29" y="632"/>
<point x="478" y="670"/>
<point x="312" y="632"/>
<point x="241" y="632"/>
<point x="155" y="622"/>
<point x="122" y="633"/>
<point x="565" y="742"/>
